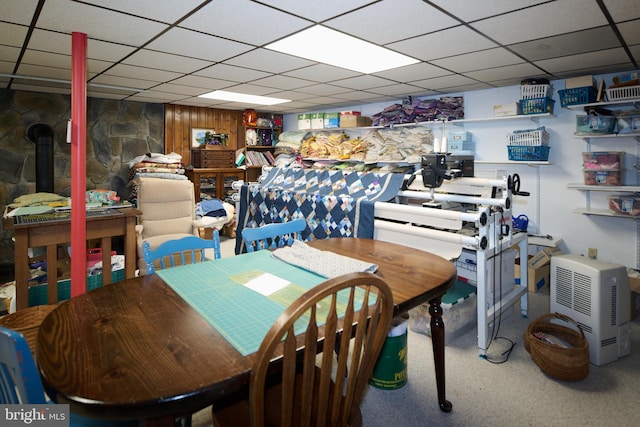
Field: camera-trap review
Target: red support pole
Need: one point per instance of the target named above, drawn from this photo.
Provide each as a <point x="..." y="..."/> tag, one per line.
<point x="78" y="163"/>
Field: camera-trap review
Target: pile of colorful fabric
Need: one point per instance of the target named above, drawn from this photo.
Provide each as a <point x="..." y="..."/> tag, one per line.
<point x="416" y="110"/>
<point x="154" y="165"/>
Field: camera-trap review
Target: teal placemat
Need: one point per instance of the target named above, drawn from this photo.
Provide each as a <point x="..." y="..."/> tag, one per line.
<point x="243" y="316"/>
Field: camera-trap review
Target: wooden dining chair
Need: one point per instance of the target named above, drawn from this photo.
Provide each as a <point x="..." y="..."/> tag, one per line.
<point x="189" y="249"/>
<point x="20" y="382"/>
<point x="274" y="235"/>
<point x="293" y="382"/>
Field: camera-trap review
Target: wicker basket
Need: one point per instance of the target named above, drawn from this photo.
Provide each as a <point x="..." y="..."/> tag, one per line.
<point x="564" y="363"/>
<point x="27" y="322"/>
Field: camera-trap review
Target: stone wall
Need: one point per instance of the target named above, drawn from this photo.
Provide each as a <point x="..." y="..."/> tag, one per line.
<point x="117" y="132"/>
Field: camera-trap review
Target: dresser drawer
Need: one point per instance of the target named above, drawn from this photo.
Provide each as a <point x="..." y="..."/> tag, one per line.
<point x="210" y="158"/>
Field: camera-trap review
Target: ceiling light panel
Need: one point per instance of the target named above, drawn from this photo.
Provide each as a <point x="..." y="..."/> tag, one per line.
<point x="331" y="47"/>
<point x="243" y="98"/>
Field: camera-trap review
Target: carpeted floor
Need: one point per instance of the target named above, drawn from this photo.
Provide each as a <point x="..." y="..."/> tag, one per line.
<point x="515" y="392"/>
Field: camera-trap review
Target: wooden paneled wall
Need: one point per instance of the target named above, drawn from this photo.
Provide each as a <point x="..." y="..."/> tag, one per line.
<point x="180" y="119"/>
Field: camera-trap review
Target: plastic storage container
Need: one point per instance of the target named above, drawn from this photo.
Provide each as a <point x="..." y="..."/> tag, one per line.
<point x="459" y="312"/>
<point x="534" y="91"/>
<point x="577" y="96"/>
<point x="528" y="154"/>
<point x="595" y="124"/>
<point x="528" y="137"/>
<point x="625" y="204"/>
<point x="603" y="160"/>
<point x="536" y="106"/>
<point x="622" y="93"/>
<point x="602" y="177"/>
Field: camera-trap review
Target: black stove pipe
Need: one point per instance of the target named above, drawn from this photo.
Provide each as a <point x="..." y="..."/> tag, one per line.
<point x="42" y="135"/>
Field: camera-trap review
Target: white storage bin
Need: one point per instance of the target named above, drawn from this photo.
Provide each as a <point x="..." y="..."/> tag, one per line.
<point x="534" y="91"/>
<point x="459" y="313"/>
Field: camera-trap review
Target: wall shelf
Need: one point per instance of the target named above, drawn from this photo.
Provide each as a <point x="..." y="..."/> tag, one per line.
<point x="603" y="212"/>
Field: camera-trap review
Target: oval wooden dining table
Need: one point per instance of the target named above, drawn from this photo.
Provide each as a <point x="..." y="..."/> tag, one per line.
<point x="135" y="349"/>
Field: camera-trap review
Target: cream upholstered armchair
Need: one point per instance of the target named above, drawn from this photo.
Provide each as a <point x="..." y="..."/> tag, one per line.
<point x="168" y="213"/>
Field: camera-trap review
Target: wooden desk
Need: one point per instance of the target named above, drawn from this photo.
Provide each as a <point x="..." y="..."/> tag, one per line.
<point x="135" y="349"/>
<point x="119" y="222"/>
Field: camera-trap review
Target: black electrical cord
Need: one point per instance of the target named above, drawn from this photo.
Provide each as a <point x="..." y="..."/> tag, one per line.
<point x="495" y="330"/>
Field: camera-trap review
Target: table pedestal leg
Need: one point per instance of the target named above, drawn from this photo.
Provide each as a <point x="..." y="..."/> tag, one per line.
<point x="437" y="340"/>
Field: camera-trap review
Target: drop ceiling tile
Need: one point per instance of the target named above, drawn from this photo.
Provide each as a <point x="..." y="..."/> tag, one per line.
<point x="281" y="82"/>
<point x="104" y="79"/>
<point x="471" y="10"/>
<point x="317" y="11"/>
<point x="517" y="72"/>
<point x="18" y="11"/>
<point x="623" y="10"/>
<point x="9" y="53"/>
<point x="195" y="102"/>
<point x="635" y="51"/>
<point x="322" y="73"/>
<point x="143" y="73"/>
<point x="163" y="10"/>
<point x="397" y="90"/>
<point x="412" y="73"/>
<point x="362" y="82"/>
<point x="229" y="19"/>
<point x="445" y="81"/>
<point x="178" y="89"/>
<point x="51" y="41"/>
<point x="198" y="45"/>
<point x="324" y="90"/>
<point x="547" y="20"/>
<point x="165" y="61"/>
<point x="46" y="59"/>
<point x="269" y="60"/>
<point x="445" y="43"/>
<point x="480" y="60"/>
<point x="401" y="18"/>
<point x="204" y="83"/>
<point x="231" y="73"/>
<point x="630" y="31"/>
<point x="584" y="60"/>
<point x="567" y="44"/>
<point x="105" y="25"/>
<point x="12" y="34"/>
<point x="466" y="88"/>
<point x="38" y="71"/>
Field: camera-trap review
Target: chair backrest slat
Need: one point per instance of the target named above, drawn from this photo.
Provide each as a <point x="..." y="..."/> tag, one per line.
<point x="317" y="388"/>
<point x="274" y="235"/>
<point x="192" y="246"/>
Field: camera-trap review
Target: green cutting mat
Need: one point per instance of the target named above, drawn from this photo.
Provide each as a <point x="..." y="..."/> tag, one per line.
<point x="243" y="316"/>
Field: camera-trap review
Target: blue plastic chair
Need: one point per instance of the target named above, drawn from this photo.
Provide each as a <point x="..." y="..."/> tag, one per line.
<point x="274" y="235"/>
<point x="20" y="382"/>
<point x="192" y="246"/>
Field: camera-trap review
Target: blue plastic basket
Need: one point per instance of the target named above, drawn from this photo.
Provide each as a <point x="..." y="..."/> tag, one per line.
<point x="577" y="96"/>
<point x="38" y="293"/>
<point x="527" y="153"/>
<point x="536" y="106"/>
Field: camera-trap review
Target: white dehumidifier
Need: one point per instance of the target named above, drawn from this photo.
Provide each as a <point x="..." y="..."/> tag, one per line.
<point x="596" y="295"/>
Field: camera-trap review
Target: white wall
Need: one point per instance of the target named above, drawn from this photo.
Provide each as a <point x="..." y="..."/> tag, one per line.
<point x="616" y="239"/>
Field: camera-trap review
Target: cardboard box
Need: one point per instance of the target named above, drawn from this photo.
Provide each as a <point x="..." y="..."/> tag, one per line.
<point x="317" y="120"/>
<point x="304" y="121"/>
<point x="511" y="109"/>
<point x="331" y="120"/>
<point x="351" y="121"/>
<point x="537" y="278"/>
<point x="582" y="81"/>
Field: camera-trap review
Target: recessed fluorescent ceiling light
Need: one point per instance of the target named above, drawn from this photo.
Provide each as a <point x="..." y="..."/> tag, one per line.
<point x="331" y="47"/>
<point x="243" y="97"/>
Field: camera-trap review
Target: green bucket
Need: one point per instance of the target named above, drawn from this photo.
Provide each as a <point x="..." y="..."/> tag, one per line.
<point x="390" y="371"/>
